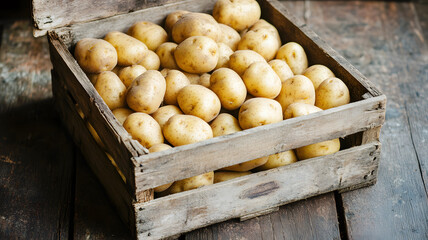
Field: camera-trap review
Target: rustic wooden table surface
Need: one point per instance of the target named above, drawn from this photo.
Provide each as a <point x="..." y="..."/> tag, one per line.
<point x="48" y="192"/>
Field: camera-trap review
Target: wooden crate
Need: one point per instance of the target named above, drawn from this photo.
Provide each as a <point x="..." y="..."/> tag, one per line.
<point x="358" y="123"/>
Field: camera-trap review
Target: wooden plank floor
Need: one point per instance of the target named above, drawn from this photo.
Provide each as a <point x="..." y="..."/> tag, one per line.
<point x="48" y="192"/>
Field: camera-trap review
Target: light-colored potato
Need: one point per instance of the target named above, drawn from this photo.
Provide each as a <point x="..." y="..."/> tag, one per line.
<point x="143" y="128"/>
<point x="259" y="111"/>
<point x="157" y="148"/>
<point x="247" y="166"/>
<point x="199" y="101"/>
<point x="195" y="24"/>
<point x="192" y="183"/>
<point x="238" y="14"/>
<point x="282" y="69"/>
<point x="263" y="24"/>
<point x="175" y="81"/>
<point x="295" y="56"/>
<point x="193" y="78"/>
<point x="299" y="109"/>
<point x="149" y="33"/>
<point x="240" y="60"/>
<point x="165" y="53"/>
<point x="318" y="73"/>
<point x="117" y="69"/>
<point x="229" y="87"/>
<point x="261" y="80"/>
<point x="146" y="92"/>
<point x="224" y="53"/>
<point x="262" y="41"/>
<point x="222" y="176"/>
<point x="164" y="113"/>
<point x="111" y="89"/>
<point x="229" y="36"/>
<point x="150" y="60"/>
<point x="225" y="124"/>
<point x="331" y="93"/>
<point x="164" y="71"/>
<point x="278" y="160"/>
<point x="95" y="55"/>
<point x="204" y="80"/>
<point x="296" y="89"/>
<point x="121" y="114"/>
<point x="318" y="149"/>
<point x="172" y="18"/>
<point x="186" y="129"/>
<point x="130" y="50"/>
<point x="197" y="54"/>
<point x="130" y="73"/>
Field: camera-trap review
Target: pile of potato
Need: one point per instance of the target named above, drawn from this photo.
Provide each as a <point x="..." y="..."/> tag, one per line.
<point x="203" y="76"/>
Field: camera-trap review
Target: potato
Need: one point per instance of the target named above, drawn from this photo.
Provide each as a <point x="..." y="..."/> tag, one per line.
<point x="146" y="92"/>
<point x="204" y="80"/>
<point x="157" y="148"/>
<point x="240" y="60"/>
<point x="247" y="166"/>
<point x="175" y="81"/>
<point x="130" y="50"/>
<point x="238" y="14"/>
<point x="332" y="92"/>
<point x="165" y="53"/>
<point x="222" y="176"/>
<point x="229" y="87"/>
<point x="95" y="55"/>
<point x="172" y="18"/>
<point x="229" y="36"/>
<point x="224" y="53"/>
<point x="117" y="69"/>
<point x="111" y="89"/>
<point x="149" y="33"/>
<point x="299" y="109"/>
<point x="281" y="69"/>
<point x="150" y="60"/>
<point x="261" y="80"/>
<point x="278" y="160"/>
<point x="318" y="149"/>
<point x="144" y="129"/>
<point x="195" y="24"/>
<point x="263" y="24"/>
<point x="259" y="111"/>
<point x="186" y="129"/>
<point x="318" y="73"/>
<point x="121" y="114"/>
<point x="192" y="183"/>
<point x="164" y="113"/>
<point x="130" y="73"/>
<point x="199" y="101"/>
<point x="95" y="135"/>
<point x="295" y="56"/>
<point x="262" y="41"/>
<point x="296" y="89"/>
<point x="225" y="124"/>
<point x="193" y="78"/>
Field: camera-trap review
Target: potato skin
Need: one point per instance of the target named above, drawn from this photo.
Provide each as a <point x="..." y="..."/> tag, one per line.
<point x="149" y="33"/>
<point x="186" y="129"/>
<point x="146" y="92"/>
<point x="282" y="69"/>
<point x="318" y="149"/>
<point x="224" y="53"/>
<point x="295" y="56"/>
<point x="229" y="87"/>
<point x="172" y="18"/>
<point x="164" y="113"/>
<point x="157" y="148"/>
<point x="238" y="14"/>
<point x="192" y="183"/>
<point x="175" y="81"/>
<point x="144" y="129"/>
<point x="165" y="53"/>
<point x="130" y="73"/>
<point x="121" y="114"/>
<point x="195" y="24"/>
<point x="150" y="60"/>
<point x="262" y="41"/>
<point x="229" y="36"/>
<point x="278" y="160"/>
<point x="130" y="50"/>
<point x="317" y="74"/>
<point x="111" y="89"/>
<point x="299" y="109"/>
<point x="225" y="124"/>
<point x="296" y="89"/>
<point x="199" y="101"/>
<point x="222" y="176"/>
<point x="95" y="55"/>
<point x="261" y="80"/>
<point x="332" y="92"/>
<point x="240" y="60"/>
<point x="259" y="111"/>
<point x="247" y="166"/>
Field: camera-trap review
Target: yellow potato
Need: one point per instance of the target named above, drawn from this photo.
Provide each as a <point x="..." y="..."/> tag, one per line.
<point x="193" y="78"/>
<point x="150" y="60"/>
<point x="130" y="73"/>
<point x="263" y="24"/>
<point x="175" y="81"/>
<point x="195" y="24"/>
<point x="204" y="80"/>
<point x="295" y="56"/>
<point x="318" y="149"/>
<point x="157" y="148"/>
<point x="259" y="111"/>
<point x="282" y="69"/>
<point x="95" y="55"/>
<point x="247" y="166"/>
<point x="296" y="89"/>
<point x="229" y="36"/>
<point x="111" y="89"/>
<point x="240" y="60"/>
<point x="186" y="129"/>
<point x="261" y="80"/>
<point x="149" y="33"/>
<point x="121" y="114"/>
<point x="262" y="41"/>
<point x="130" y="50"/>
<point x="117" y="69"/>
<point x="299" y="109"/>
<point x="238" y="14"/>
<point x="95" y="135"/>
<point x="199" y="101"/>
<point x="146" y="92"/>
<point x="172" y="18"/>
<point x="144" y="129"/>
<point x="197" y="54"/>
<point x="192" y="183"/>
<point x="318" y="73"/>
<point x="331" y="93"/>
<point x="224" y="53"/>
<point x="278" y="160"/>
<point x="222" y="176"/>
<point x="225" y="124"/>
<point x="164" y="113"/>
<point x="165" y="53"/>
<point x="229" y="87"/>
